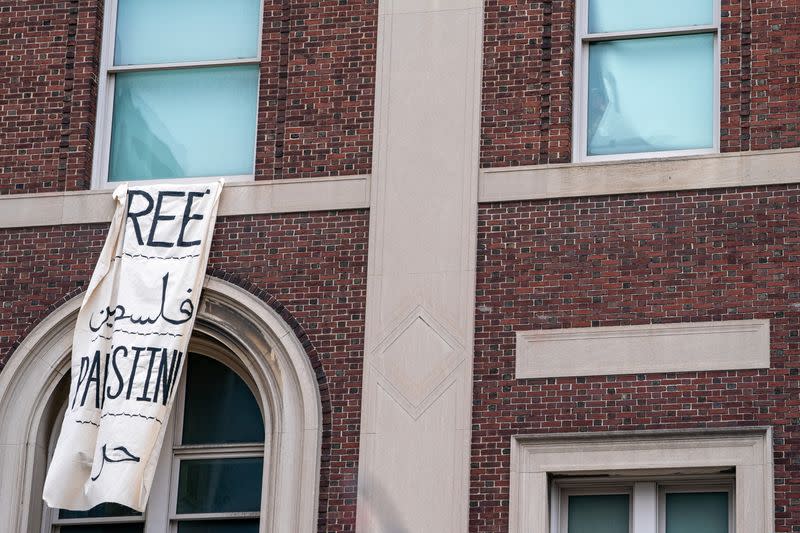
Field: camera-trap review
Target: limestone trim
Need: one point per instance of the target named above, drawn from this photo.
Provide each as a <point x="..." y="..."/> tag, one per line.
<point x="747" y="450"/>
<point x="638" y="349"/>
<point x="417" y="381"/>
<point x="741" y="169"/>
<point x="249" y="330"/>
<point x="238" y="198"/>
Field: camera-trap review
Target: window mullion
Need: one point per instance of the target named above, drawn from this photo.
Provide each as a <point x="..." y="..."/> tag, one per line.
<point x="644" y="507"/>
<point x="183" y="64"/>
<point x="656" y="32"/>
<point x="196" y="451"/>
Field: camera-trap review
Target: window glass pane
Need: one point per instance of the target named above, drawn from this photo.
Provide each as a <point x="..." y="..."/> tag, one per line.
<point x="159" y="31"/>
<point x="624" y="15"/>
<point x="219" y="406"/>
<point x="697" y="512"/>
<point x="220" y="526"/>
<point x="103" y="528"/>
<point x="608" y="513"/>
<point x="651" y="94"/>
<point x="181" y="123"/>
<point x="220" y="485"/>
<point x="100" y="511"/>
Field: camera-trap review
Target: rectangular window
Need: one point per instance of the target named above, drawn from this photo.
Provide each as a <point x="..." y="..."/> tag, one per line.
<point x="646" y="79"/>
<point x="614" y="504"/>
<point x="178" y="90"/>
<point x="597" y="512"/>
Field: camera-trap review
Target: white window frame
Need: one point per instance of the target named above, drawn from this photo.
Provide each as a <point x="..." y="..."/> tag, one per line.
<point x="247" y="328"/>
<point x="560" y="504"/>
<point x="647" y="496"/>
<point x="161" y="513"/>
<point x="536" y="459"/>
<point x="105" y="101"/>
<point x="581" y="81"/>
<point x="671" y="488"/>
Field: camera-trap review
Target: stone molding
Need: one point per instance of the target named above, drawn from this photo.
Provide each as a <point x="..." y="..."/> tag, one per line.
<point x="250" y="330"/>
<point x="748" y="450"/>
<point x="238" y="198"/>
<point x="417" y="382"/>
<point x="502" y="184"/>
<point x="639" y="349"/>
<point x="567" y="180"/>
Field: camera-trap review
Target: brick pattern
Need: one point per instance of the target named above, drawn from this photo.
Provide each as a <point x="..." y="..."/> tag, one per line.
<point x="527" y="79"/>
<point x="315" y="102"/>
<point x="527" y="82"/>
<point x="33" y="93"/>
<point x="310" y="267"/>
<point x="775" y="97"/>
<point x="735" y="76"/>
<point x="608" y="261"/>
<point x="330" y="89"/>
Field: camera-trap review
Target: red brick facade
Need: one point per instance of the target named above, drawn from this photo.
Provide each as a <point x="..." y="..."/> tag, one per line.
<point x="723" y="254"/>
<point x="726" y="254"/>
<point x="315" y="103"/>
<point x="527" y="79"/>
<point x="311" y="268"/>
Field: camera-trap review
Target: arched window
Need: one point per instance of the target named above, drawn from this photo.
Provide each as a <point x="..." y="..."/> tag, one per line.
<point x="210" y="476"/>
<point x="242" y="450"/>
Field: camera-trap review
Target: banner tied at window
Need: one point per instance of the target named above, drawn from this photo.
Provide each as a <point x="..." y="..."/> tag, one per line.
<point x="130" y="345"/>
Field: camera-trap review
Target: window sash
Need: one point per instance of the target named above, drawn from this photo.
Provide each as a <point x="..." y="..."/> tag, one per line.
<point x="163" y="498"/>
<point x="646" y="493"/>
<point x="583" y="38"/>
<point x="599" y="490"/>
<point x="105" y="101"/>
<point x="92" y="521"/>
<point x="667" y="488"/>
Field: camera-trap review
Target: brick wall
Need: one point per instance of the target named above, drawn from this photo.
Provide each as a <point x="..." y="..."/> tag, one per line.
<point x="527" y="79"/>
<point x="527" y="82"/>
<point x="607" y="261"/>
<point x="309" y="267"/>
<point x="40" y="116"/>
<point x="328" y="106"/>
<point x="315" y="104"/>
<point x="775" y="56"/>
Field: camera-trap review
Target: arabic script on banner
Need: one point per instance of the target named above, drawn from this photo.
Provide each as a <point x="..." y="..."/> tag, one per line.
<point x="130" y="344"/>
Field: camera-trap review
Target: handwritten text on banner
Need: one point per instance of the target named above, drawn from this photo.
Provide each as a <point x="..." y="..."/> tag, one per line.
<point x="130" y="344"/>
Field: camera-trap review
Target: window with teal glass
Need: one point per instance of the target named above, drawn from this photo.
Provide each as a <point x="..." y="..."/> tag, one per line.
<point x="178" y="90"/>
<point x="647" y="78"/>
<point x="699" y="503"/>
<point x="601" y="513"/>
<point x="697" y="512"/>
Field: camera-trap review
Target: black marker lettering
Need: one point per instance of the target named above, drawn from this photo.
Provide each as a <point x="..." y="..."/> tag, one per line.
<point x="137" y="352"/>
<point x="157" y="217"/>
<point x="105" y="380"/>
<point x="94" y="375"/>
<point x="162" y="378"/>
<point x="187" y="216"/>
<point x="124" y="351"/>
<point x="133" y="217"/>
<point x="81" y="376"/>
<point x="174" y="370"/>
<point x="143" y="397"/>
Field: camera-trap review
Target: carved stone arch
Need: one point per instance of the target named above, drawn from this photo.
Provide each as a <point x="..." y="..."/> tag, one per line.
<point x="241" y="323"/>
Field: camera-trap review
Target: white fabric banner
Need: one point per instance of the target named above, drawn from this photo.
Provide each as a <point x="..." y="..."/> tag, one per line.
<point x="130" y="344"/>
